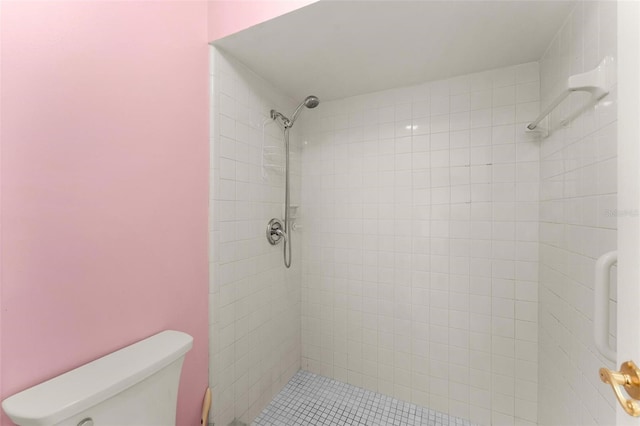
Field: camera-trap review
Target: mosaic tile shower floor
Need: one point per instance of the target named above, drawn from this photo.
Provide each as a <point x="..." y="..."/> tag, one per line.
<point x="310" y="399"/>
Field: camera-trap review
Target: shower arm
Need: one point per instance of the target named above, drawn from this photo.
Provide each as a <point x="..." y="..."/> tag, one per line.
<point x="288" y="122"/>
<point x="285" y="121"/>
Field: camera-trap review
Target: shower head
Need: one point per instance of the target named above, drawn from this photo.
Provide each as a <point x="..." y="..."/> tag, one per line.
<point x="309" y="102"/>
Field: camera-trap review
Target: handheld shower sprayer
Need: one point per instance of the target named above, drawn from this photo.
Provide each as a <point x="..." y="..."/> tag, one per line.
<point x="277" y="230"/>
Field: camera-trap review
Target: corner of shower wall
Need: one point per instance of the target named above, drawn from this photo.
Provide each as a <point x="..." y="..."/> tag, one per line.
<point x="577" y="225"/>
<point x="254" y="302"/>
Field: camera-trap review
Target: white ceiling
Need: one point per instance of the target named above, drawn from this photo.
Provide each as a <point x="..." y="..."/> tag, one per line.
<point x="335" y="49"/>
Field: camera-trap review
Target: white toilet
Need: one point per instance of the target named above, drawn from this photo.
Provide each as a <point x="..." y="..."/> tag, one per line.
<point x="135" y="386"/>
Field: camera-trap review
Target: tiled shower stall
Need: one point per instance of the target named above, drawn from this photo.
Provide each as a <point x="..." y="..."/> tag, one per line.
<point x="442" y="255"/>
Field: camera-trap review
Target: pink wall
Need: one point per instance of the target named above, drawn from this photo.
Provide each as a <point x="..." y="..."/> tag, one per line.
<point x="104" y="170"/>
<point x="230" y="16"/>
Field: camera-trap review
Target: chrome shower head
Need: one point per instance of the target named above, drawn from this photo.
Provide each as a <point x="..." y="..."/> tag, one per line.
<point x="309" y="102"/>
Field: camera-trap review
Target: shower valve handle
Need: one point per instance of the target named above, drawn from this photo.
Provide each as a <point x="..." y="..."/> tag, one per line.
<point x="276" y="232"/>
<point x="282" y="234"/>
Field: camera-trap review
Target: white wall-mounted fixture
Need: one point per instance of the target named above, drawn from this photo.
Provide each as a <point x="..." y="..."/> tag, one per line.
<point x="601" y="304"/>
<point x="594" y="82"/>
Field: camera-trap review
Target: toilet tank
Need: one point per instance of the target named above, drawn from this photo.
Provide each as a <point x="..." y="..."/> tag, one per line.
<point x="134" y="386"/>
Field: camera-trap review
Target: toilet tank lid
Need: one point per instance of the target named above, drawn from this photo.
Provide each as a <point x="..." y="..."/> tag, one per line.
<point x="72" y="392"/>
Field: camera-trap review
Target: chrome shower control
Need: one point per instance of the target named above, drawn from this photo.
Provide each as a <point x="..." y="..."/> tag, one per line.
<point x="275" y="231"/>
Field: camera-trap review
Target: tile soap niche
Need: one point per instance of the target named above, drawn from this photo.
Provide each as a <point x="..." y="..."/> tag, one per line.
<point x="294" y="211"/>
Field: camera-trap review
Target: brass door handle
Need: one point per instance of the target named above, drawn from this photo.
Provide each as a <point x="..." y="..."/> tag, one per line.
<point x="629" y="378"/>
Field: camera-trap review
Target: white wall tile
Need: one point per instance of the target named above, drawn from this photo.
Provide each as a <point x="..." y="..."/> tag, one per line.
<point x="430" y="217"/>
<point x="255" y="305"/>
<point x="574" y="174"/>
